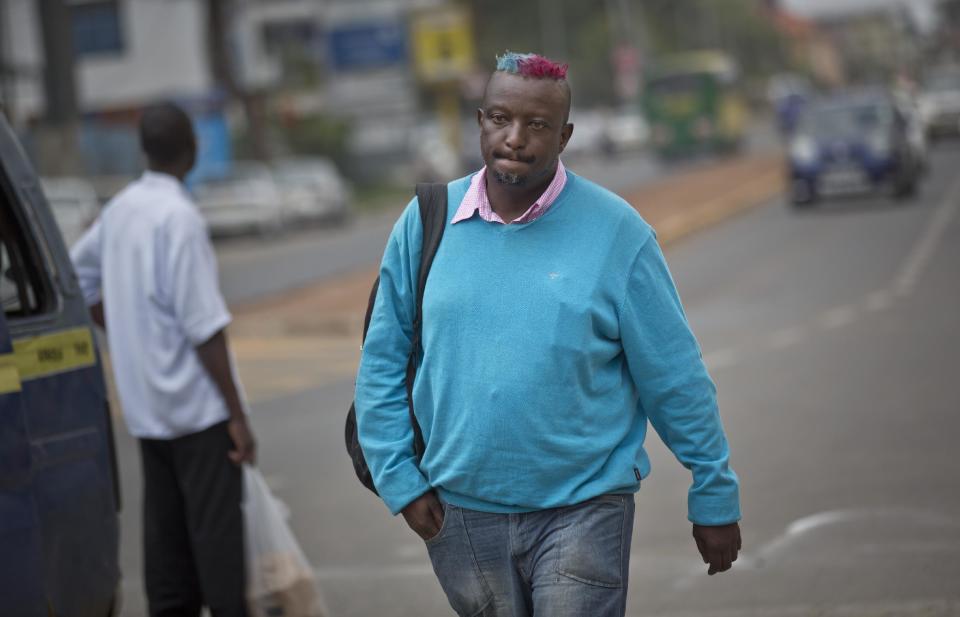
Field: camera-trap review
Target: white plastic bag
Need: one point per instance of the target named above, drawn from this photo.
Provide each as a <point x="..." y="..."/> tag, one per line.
<point x="280" y="582"/>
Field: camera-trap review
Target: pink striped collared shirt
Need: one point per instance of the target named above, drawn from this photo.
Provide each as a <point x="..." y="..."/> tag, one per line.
<point x="476" y="199"/>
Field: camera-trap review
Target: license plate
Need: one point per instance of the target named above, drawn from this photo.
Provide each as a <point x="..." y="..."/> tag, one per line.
<point x="844" y="179"/>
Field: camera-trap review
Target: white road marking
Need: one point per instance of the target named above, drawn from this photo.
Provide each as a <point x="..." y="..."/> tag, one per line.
<point x="807" y="524"/>
<point x="722" y="358"/>
<point x="900" y="286"/>
<point x="839" y="316"/>
<point x="786" y="337"/>
<point x="879" y="300"/>
<point x="923" y="250"/>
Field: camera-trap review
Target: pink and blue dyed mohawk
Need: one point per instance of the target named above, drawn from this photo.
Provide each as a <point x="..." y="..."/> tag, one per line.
<point x="531" y="65"/>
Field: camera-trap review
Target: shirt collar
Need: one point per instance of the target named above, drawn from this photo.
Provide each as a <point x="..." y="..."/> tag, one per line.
<point x="476" y="199"/>
<point x="161" y="178"/>
<point x="165" y="181"/>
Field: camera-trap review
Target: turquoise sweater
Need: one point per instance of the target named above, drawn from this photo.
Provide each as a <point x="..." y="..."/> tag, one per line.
<point x="547" y="347"/>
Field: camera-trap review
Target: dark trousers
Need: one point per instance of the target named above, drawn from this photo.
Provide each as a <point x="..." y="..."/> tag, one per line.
<point x="193" y="525"/>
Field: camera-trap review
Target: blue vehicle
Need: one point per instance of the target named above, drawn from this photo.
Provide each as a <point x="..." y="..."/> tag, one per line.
<point x="855" y="143"/>
<point x="59" y="497"/>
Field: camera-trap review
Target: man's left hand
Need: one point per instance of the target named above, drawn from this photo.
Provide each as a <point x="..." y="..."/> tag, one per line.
<point x="718" y="545"/>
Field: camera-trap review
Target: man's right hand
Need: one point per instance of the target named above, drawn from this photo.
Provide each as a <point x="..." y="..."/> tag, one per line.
<point x="244" y="445"/>
<point x="718" y="545"/>
<point x="424" y="515"/>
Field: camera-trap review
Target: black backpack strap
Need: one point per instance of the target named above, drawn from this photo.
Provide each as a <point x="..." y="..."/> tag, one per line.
<point x="432" y="199"/>
<point x="369" y="314"/>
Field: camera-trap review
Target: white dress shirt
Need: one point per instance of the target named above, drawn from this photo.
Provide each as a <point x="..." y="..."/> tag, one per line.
<point x="148" y="257"/>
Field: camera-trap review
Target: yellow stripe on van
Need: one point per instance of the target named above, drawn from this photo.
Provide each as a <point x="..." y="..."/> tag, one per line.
<point x="9" y="376"/>
<point x="48" y="354"/>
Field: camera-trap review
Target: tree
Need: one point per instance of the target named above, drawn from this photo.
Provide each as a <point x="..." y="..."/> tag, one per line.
<point x="219" y="14"/>
<point x="740" y="28"/>
<point x="57" y="137"/>
<point x="580" y="28"/>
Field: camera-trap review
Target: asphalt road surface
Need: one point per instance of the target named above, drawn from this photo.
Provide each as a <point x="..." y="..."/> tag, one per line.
<point x="834" y="337"/>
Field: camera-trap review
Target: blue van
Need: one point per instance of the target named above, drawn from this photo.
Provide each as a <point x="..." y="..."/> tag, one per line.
<point x="855" y="142"/>
<point x="59" y="496"/>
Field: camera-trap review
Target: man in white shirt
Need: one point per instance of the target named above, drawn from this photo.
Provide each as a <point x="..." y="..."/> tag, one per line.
<point x="148" y="272"/>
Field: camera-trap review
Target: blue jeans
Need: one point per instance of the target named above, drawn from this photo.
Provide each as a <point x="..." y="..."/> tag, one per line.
<point x="562" y="562"/>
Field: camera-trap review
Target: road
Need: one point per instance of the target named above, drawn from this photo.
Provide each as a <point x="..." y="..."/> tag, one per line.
<point x="834" y="338"/>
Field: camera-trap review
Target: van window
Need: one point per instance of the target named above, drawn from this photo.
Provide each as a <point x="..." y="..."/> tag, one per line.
<point x="24" y="287"/>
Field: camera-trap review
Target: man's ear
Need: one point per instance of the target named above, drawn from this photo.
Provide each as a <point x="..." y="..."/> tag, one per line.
<point x="479" y="116"/>
<point x="565" y="133"/>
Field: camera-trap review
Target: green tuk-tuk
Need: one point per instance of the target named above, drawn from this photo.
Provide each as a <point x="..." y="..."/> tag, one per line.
<point x="693" y="103"/>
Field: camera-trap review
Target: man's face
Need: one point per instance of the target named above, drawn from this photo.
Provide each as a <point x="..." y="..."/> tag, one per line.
<point x="523" y="127"/>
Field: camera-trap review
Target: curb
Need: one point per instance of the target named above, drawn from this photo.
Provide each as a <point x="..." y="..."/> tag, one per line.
<point x="738" y="201"/>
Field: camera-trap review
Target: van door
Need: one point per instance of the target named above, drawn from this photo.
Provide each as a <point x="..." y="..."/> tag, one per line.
<point x="21" y="571"/>
<point x="59" y="496"/>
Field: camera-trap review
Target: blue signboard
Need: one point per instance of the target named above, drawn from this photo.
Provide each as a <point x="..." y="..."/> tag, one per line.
<point x="213" y="147"/>
<point x="367" y="45"/>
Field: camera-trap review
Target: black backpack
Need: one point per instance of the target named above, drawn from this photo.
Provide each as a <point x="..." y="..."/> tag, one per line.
<point x="432" y="199"/>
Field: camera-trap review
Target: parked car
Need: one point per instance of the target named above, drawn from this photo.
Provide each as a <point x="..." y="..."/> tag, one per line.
<point x="434" y="158"/>
<point x="246" y="200"/>
<point x="939" y="102"/>
<point x="312" y="190"/>
<point x="74" y="203"/>
<point x="625" y="130"/>
<point x="589" y="133"/>
<point x="854" y="142"/>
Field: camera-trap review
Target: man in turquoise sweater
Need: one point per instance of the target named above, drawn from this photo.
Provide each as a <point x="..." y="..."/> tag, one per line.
<point x="552" y="332"/>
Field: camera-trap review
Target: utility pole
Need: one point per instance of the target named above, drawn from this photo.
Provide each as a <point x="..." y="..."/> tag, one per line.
<point x="58" y="137"/>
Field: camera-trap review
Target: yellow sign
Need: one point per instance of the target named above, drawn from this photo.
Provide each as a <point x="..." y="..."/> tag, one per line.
<point x="9" y="377"/>
<point x="442" y="44"/>
<point x="41" y="356"/>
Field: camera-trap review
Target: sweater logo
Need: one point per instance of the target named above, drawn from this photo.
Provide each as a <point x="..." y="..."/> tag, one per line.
<point x="553" y="276"/>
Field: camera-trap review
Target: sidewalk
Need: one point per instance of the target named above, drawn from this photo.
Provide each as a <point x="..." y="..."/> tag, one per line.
<point x="311" y="336"/>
